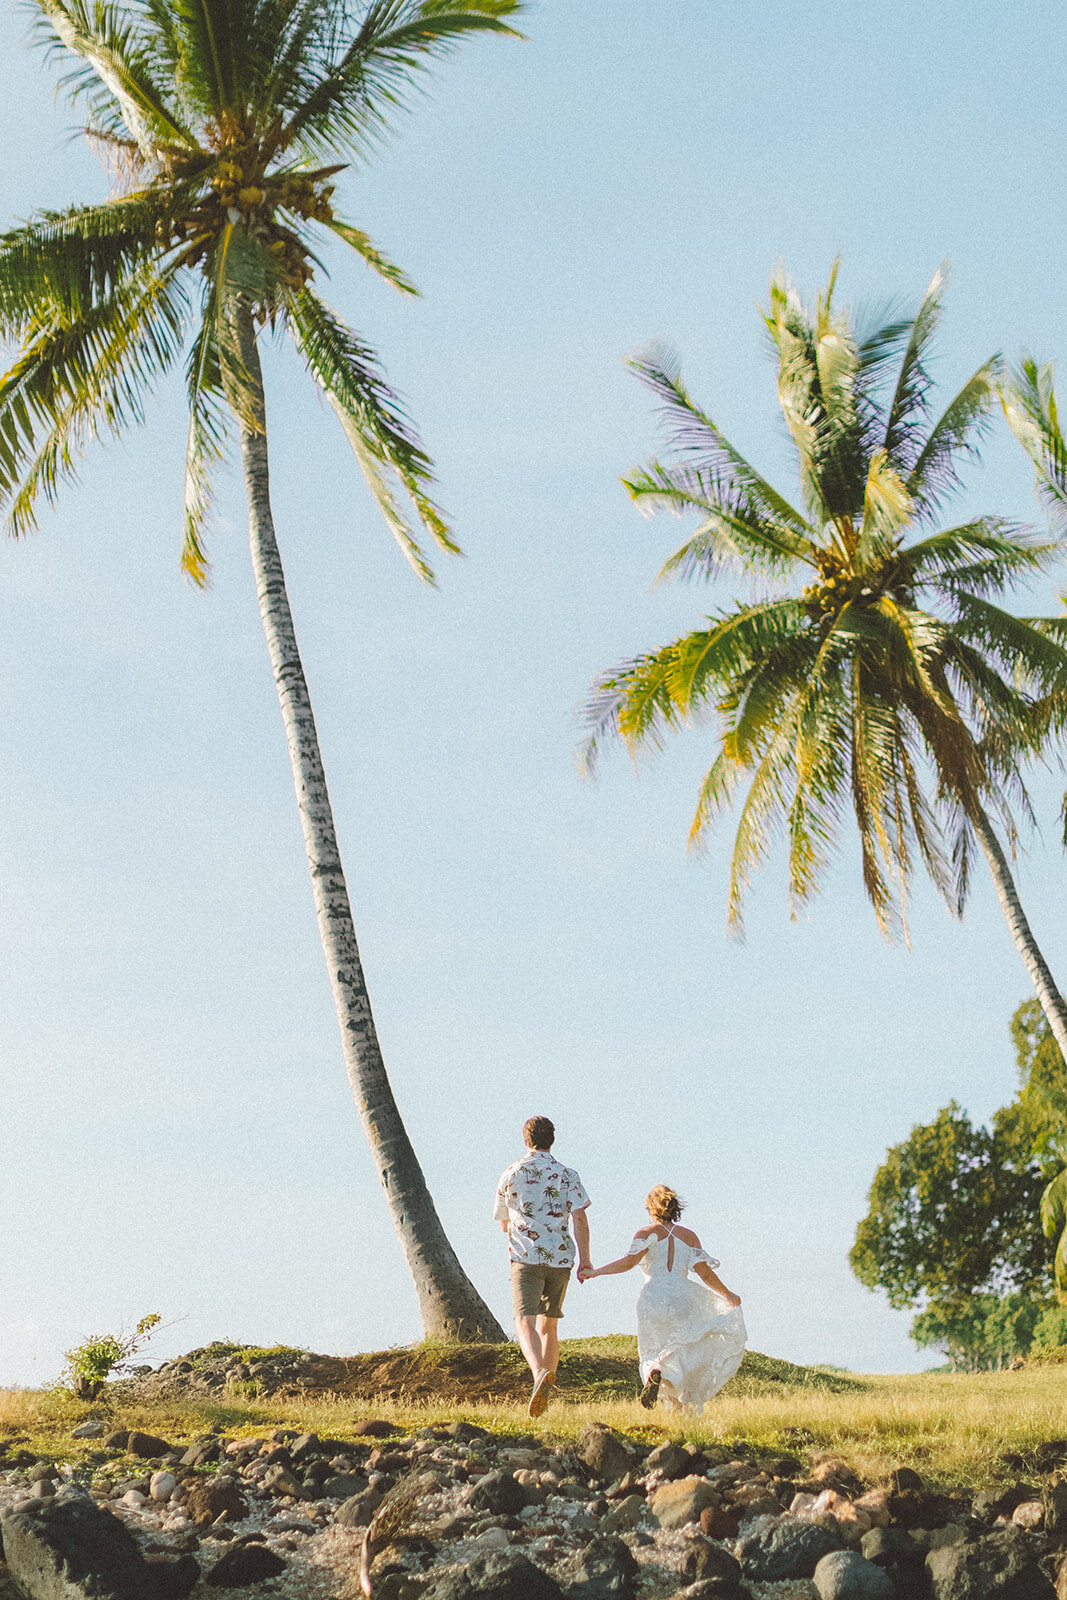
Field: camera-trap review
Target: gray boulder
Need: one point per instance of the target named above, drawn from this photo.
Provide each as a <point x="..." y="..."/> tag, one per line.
<point x="499" y="1493"/>
<point x="785" y="1549"/>
<point x="669" y="1458"/>
<point x="606" y="1571"/>
<point x="70" y="1549"/>
<point x="244" y="1564"/>
<point x="358" y="1509"/>
<point x="681" y="1501"/>
<point x="1000" y="1566"/>
<point x="891" y="1547"/>
<point x="603" y="1452"/>
<point x="501" y="1575"/>
<point x="844" y="1575"/>
<point x="706" y="1561"/>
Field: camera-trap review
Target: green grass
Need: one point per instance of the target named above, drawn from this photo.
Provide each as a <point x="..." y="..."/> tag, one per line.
<point x="954" y="1428"/>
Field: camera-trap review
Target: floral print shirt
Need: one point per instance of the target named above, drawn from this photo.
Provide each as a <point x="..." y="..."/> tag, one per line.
<point x="535" y="1198"/>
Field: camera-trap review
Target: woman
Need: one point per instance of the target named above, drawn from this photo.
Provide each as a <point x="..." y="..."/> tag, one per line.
<point x="689" y="1342"/>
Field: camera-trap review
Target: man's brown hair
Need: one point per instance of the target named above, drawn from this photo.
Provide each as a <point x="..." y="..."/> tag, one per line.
<point x="538" y="1133"/>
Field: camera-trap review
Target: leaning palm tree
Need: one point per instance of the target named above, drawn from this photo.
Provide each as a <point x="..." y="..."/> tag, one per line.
<point x="892" y="684"/>
<point x="227" y="122"/>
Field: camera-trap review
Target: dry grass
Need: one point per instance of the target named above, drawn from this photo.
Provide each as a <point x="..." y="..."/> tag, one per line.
<point x="954" y="1428"/>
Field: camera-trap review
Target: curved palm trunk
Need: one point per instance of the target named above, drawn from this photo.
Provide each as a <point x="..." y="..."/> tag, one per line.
<point x="450" y="1306"/>
<point x="1052" y="1002"/>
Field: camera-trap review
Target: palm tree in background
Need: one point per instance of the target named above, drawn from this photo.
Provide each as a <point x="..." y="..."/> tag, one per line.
<point x="891" y="684"/>
<point x="228" y="121"/>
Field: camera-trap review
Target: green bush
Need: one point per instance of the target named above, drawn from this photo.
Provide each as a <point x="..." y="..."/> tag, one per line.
<point x="89" y="1365"/>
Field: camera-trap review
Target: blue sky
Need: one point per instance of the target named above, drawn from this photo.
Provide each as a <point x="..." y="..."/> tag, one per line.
<point x="179" y="1135"/>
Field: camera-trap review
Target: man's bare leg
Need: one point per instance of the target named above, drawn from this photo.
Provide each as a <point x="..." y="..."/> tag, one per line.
<point x="529" y="1340"/>
<point x="548" y="1331"/>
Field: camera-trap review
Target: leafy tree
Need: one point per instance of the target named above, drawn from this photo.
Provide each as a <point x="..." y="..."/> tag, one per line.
<point x="1050" y="1333"/>
<point x="981" y="1333"/>
<point x="1038" y="1117"/>
<point x="952" y="1212"/>
<point x="230" y="120"/>
<point x="891" y="684"/>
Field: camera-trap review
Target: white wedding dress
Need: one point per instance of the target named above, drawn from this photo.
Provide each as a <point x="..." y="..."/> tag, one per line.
<point x="684" y="1329"/>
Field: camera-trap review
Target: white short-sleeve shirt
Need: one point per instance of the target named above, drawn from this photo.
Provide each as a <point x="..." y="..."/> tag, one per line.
<point x="535" y="1197"/>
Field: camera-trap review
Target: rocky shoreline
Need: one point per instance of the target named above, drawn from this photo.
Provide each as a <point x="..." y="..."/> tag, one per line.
<point x="452" y="1512"/>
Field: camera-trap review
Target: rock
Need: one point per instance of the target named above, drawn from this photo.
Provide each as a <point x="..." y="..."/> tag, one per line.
<point x="604" y="1452"/>
<point x="1061" y="1582"/>
<point x="42" y="1489"/>
<point x="1054" y="1496"/>
<point x="941" y="1538"/>
<point x="993" y="1503"/>
<point x="118" y="1440"/>
<point x="501" y="1575"/>
<point x="714" y="1589"/>
<point x="785" y="1549"/>
<point x="891" y="1547"/>
<point x="304" y="1447"/>
<point x="844" y="1575"/>
<point x="669" y="1458"/>
<point x="161" y="1485"/>
<point x="706" y="1560"/>
<point x="718" y="1523"/>
<point x="72" y="1550"/>
<point x="171" y="1578"/>
<point x="499" y="1493"/>
<point x="903" y="1478"/>
<point x="243" y="1564"/>
<point x="606" y="1571"/>
<point x="146" y="1445"/>
<point x="491" y="1539"/>
<point x="280" y="1479"/>
<point x="201" y="1454"/>
<point x="1029" y="1514"/>
<point x="89" y="1430"/>
<point x="343" y="1486"/>
<point x="357" y="1511"/>
<point x="213" y="1498"/>
<point x="375" y="1429"/>
<point x="677" y="1503"/>
<point x="133" y="1498"/>
<point x="917" y="1508"/>
<point x="999" y="1564"/>
<point x="624" y="1514"/>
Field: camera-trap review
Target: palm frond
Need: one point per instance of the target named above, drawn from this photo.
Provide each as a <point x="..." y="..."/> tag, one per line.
<point x="73" y="379"/>
<point x="206" y="443"/>
<point x="1029" y="401"/>
<point x="364" y="246"/>
<point x="381" y="436"/>
<point x="955" y="435"/>
<point x="984" y="555"/>
<point x="909" y="406"/>
<point x="371" y="78"/>
<point x="101" y="33"/>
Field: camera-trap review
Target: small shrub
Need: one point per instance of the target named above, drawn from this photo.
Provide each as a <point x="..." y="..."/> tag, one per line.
<point x="89" y="1365"/>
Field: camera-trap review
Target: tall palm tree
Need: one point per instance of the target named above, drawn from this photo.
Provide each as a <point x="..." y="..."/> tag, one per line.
<point x="228" y="121"/>
<point x="892" y="684"/>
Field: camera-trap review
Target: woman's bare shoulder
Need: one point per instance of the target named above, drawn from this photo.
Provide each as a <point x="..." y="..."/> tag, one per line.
<point x="687" y="1236"/>
<point x="653" y="1231"/>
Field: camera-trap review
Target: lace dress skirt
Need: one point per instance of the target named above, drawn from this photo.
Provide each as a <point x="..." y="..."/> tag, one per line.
<point x="691" y="1335"/>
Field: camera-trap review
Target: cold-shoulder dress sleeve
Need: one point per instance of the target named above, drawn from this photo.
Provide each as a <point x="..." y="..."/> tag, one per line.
<point x="637" y="1246"/>
<point x="709" y="1261"/>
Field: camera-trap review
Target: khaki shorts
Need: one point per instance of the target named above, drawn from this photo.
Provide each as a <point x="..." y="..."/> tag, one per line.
<point x="538" y="1291"/>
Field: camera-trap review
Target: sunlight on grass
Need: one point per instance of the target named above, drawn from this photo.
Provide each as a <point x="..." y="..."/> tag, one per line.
<point x="954" y="1428"/>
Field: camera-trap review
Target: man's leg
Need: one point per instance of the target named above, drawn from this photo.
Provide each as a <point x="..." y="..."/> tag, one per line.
<point x="527" y="1332"/>
<point x="548" y="1332"/>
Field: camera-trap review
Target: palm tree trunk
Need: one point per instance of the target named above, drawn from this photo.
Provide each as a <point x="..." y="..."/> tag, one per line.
<point x="1052" y="1002"/>
<point x="450" y="1306"/>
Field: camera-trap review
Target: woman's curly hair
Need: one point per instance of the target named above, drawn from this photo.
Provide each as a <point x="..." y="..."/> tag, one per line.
<point x="663" y="1204"/>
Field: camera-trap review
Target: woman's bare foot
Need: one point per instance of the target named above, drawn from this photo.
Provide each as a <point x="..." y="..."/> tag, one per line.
<point x="650" y="1393"/>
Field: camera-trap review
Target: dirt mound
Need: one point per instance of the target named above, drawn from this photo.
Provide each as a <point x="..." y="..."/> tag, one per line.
<point x="589" y="1369"/>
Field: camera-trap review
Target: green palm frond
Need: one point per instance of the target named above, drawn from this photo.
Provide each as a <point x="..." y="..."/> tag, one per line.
<point x="986" y="555"/>
<point x="372" y="77"/>
<point x="955" y="435"/>
<point x="103" y="35"/>
<point x="206" y="443"/>
<point x="1029" y="401"/>
<point x="703" y="449"/>
<point x="380" y="434"/>
<point x="73" y="379"/>
<point x="63" y="262"/>
<point x="909" y="406"/>
<point x="364" y="246"/>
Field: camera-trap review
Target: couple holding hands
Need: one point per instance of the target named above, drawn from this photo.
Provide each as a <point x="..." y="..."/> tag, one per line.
<point x="690" y="1334"/>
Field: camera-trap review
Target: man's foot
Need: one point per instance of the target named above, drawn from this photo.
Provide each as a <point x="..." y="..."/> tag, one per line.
<point x="650" y="1393"/>
<point x="540" y="1396"/>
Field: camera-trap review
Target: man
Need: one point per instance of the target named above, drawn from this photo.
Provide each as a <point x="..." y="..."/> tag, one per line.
<point x="536" y="1200"/>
